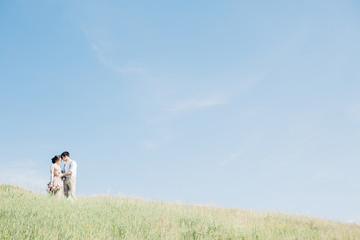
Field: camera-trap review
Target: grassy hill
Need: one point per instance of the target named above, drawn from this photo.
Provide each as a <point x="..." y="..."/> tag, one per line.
<point x="28" y="215"/>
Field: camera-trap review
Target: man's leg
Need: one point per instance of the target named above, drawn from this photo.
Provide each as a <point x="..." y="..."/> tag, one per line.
<point x="66" y="188"/>
<point x="72" y="187"/>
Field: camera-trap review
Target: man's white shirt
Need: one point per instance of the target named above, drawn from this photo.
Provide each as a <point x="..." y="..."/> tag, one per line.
<point x="70" y="166"/>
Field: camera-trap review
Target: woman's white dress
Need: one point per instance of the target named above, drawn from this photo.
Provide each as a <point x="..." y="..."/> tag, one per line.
<point x="55" y="169"/>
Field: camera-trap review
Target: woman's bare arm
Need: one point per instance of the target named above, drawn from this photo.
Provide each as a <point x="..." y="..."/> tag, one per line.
<point x="52" y="174"/>
<point x="58" y="175"/>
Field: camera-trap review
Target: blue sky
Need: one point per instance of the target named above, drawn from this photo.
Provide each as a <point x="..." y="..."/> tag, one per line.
<point x="243" y="104"/>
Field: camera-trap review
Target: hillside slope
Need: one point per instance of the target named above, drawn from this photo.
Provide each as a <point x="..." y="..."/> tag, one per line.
<point x="28" y="215"/>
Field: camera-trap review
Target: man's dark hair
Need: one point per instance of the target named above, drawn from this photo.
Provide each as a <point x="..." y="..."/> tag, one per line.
<point x="55" y="159"/>
<point x="65" y="154"/>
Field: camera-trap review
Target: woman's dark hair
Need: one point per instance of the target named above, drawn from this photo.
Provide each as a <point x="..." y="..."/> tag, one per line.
<point x="55" y="159"/>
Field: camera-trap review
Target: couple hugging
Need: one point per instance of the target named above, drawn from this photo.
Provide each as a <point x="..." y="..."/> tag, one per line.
<point x="63" y="181"/>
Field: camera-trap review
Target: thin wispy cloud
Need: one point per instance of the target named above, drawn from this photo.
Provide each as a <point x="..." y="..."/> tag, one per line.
<point x="103" y="49"/>
<point x="238" y="155"/>
<point x="322" y="176"/>
<point x="233" y="156"/>
<point x="197" y="103"/>
<point x="156" y="141"/>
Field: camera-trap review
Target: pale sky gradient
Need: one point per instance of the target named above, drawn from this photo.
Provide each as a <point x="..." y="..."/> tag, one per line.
<point x="246" y="104"/>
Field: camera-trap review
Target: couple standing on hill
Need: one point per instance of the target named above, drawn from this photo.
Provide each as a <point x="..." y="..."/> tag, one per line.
<point x="64" y="179"/>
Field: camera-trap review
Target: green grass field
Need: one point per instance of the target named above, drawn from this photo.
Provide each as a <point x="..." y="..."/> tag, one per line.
<point x="28" y="215"/>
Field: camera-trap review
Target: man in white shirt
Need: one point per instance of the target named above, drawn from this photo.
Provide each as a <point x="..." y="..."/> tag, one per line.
<point x="70" y="168"/>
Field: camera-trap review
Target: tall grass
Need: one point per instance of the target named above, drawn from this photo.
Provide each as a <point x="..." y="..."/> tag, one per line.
<point x="28" y="215"/>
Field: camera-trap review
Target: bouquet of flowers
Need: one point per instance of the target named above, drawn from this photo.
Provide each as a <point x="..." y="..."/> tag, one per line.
<point x="52" y="188"/>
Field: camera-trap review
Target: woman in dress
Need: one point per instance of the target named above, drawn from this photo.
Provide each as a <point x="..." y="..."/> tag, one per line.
<point x="56" y="175"/>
